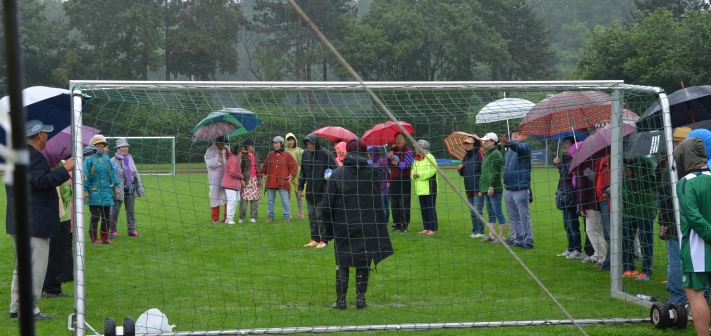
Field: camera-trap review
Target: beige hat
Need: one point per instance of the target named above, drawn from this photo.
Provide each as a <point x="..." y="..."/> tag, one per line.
<point x="680" y="133"/>
<point x="97" y="139"/>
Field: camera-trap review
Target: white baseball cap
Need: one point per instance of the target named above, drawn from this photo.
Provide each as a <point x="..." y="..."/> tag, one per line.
<point x="490" y="136"/>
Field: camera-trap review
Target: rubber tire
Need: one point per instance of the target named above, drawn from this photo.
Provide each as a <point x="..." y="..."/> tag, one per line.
<point x="129" y="326"/>
<point x="109" y="327"/>
<point x="682" y="316"/>
<point x="659" y="313"/>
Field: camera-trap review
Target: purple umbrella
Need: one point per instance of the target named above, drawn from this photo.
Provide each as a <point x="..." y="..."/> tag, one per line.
<point x="59" y="147"/>
<point x="596" y="142"/>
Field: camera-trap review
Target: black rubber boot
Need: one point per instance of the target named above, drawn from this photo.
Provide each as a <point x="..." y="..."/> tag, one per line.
<point x="341" y="288"/>
<point x="362" y="275"/>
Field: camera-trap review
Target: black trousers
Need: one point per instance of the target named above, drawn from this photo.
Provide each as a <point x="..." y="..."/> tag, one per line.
<point x="99" y="212"/>
<point x="315" y="211"/>
<point x="57" y="252"/>
<point x="400" y="198"/>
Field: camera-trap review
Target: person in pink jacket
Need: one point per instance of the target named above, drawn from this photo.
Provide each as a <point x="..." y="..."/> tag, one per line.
<point x="233" y="182"/>
<point x="341" y="151"/>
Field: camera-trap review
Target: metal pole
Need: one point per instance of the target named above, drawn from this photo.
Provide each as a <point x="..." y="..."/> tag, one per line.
<point x="616" y="194"/>
<point x="21" y="160"/>
<point x="173" y="157"/>
<point x="668" y="134"/>
<point x="79" y="267"/>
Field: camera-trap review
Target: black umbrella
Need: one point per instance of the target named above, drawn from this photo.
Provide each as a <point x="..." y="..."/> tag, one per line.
<point x="687" y="106"/>
<point x="653" y="142"/>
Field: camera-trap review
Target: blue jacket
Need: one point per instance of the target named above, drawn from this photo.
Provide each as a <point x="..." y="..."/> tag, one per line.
<point x="517" y="166"/>
<point x="101" y="182"/>
<point x="471" y="170"/>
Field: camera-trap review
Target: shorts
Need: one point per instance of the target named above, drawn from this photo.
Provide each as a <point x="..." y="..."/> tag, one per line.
<point x="696" y="280"/>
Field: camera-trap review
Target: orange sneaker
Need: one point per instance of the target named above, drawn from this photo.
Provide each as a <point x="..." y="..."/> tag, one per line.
<point x="312" y="243"/>
<point x="630" y="274"/>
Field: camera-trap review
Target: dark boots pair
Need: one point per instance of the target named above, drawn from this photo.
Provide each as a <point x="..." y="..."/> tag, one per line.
<point x="362" y="275"/>
<point x="104" y="238"/>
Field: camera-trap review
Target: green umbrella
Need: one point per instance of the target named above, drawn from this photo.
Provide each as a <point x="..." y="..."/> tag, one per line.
<point x="224" y="117"/>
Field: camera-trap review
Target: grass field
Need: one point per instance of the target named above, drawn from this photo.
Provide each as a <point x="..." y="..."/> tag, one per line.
<point x="205" y="276"/>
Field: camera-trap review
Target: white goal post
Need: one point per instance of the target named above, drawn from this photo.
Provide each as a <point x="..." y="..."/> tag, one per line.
<point x="172" y="150"/>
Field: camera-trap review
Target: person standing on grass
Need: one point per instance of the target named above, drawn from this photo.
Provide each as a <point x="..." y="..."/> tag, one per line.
<point x="52" y="287"/>
<point x="566" y="201"/>
<point x="694" y="193"/>
<point x="101" y="189"/>
<point x="424" y="175"/>
<point x="312" y="184"/>
<point x="233" y="182"/>
<point x="353" y="216"/>
<point x="382" y="163"/>
<point x="602" y="193"/>
<point x="589" y="209"/>
<point x="130" y="185"/>
<point x="470" y="169"/>
<point x="517" y="183"/>
<point x="279" y="169"/>
<point x="292" y="146"/>
<point x="44" y="210"/>
<point x="400" y="158"/>
<point x="490" y="185"/>
<point x="251" y="194"/>
<point x="216" y="159"/>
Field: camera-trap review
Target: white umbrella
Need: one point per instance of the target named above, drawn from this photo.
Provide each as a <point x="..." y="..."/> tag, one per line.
<point x="504" y="109"/>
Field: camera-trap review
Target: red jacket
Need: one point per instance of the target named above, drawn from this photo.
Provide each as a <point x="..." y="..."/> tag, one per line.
<point x="602" y="177"/>
<point x="278" y="166"/>
<point x="232" y="177"/>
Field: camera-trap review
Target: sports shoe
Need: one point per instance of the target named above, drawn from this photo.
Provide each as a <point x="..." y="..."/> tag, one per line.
<point x="576" y="255"/>
<point x="252" y="220"/>
<point x="630" y="274"/>
<point x="13" y="315"/>
<point x="527" y="247"/>
<point x="113" y="235"/>
<point x="565" y="253"/>
<point x="133" y="233"/>
<point x="40" y="316"/>
<point x="643" y="277"/>
<point x="312" y="243"/>
<point x="286" y="220"/>
<point x="476" y="235"/>
<point x="587" y="259"/>
<point x="269" y="220"/>
<point x="231" y="222"/>
<point x="321" y="245"/>
<point x="240" y="221"/>
<point x="301" y="216"/>
<point x="509" y="242"/>
<point x="488" y="239"/>
<point x="215" y="222"/>
<point x="52" y="295"/>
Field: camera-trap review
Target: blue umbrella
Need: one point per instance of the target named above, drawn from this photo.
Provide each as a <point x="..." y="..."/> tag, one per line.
<point x="247" y="118"/>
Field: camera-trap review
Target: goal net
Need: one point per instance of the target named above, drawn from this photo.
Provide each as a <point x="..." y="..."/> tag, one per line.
<point x="252" y="276"/>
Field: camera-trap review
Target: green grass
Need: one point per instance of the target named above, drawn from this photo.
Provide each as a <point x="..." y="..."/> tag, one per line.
<point x="210" y="277"/>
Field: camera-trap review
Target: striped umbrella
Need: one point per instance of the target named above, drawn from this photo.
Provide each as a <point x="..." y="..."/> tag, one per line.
<point x="214" y="130"/>
<point x="455" y="144"/>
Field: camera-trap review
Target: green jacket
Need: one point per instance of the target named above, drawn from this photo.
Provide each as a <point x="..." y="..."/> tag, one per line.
<point x="694" y="192"/>
<point x="492" y="170"/>
<point x="426" y="180"/>
<point x="65" y="192"/>
<point x="639" y="189"/>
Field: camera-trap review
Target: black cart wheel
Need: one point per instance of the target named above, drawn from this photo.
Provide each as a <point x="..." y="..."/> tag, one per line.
<point x="110" y="327"/>
<point x="660" y="315"/>
<point x="129" y="326"/>
<point x="681" y="317"/>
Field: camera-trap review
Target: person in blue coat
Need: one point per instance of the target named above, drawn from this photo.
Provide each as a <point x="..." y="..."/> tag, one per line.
<point x="517" y="188"/>
<point x="101" y="188"/>
<point x="470" y="170"/>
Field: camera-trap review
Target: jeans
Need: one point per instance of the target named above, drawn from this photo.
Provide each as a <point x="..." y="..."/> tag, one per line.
<point x="285" y="205"/>
<point x="478" y="203"/>
<point x="646" y="239"/>
<point x="493" y="208"/>
<point x="517" y="206"/>
<point x="605" y="219"/>
<point x="572" y="229"/>
<point x="674" y="284"/>
<point x="386" y="206"/>
<point x="428" y="210"/>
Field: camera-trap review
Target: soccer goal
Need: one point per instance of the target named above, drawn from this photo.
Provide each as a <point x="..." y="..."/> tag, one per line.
<point x="153" y="155"/>
<point x="259" y="277"/>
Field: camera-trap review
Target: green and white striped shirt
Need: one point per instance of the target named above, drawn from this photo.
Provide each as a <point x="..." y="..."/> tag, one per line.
<point x="694" y="192"/>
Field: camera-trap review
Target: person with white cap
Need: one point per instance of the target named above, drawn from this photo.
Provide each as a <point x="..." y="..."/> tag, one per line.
<point x="101" y="188"/>
<point x="130" y="185"/>
<point x="44" y="207"/>
<point x="491" y="186"/>
<point x="279" y="169"/>
<point x="216" y="159"/>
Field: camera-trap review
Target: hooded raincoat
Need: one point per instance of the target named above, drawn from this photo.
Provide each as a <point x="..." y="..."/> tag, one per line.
<point x="215" y="170"/>
<point x="313" y="167"/>
<point x="101" y="182"/>
<point x="297" y="152"/>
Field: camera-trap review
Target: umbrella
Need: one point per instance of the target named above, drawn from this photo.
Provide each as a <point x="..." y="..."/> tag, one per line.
<point x="51" y="106"/>
<point x="600" y="139"/>
<point x="504" y="109"/>
<point x="247" y="119"/>
<point x="455" y="144"/>
<point x="215" y="130"/>
<point x="334" y="133"/>
<point x="59" y="147"/>
<point x="653" y="142"/>
<point x="687" y="106"/>
<point x="566" y="112"/>
<point x="383" y="134"/>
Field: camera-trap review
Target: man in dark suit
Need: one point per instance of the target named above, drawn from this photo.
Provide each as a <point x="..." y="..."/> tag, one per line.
<point x="44" y="213"/>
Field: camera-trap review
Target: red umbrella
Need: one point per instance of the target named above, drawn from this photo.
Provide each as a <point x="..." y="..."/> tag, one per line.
<point x="334" y="133"/>
<point x="383" y="134"/>
<point x="567" y="111"/>
<point x="597" y="141"/>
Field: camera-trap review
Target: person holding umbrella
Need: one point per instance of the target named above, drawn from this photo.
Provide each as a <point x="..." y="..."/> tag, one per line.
<point x="470" y="169"/>
<point x="101" y="189"/>
<point x="251" y="194"/>
<point x="490" y="185"/>
<point x="400" y="160"/>
<point x="566" y="201"/>
<point x="215" y="159"/>
<point x="130" y="185"/>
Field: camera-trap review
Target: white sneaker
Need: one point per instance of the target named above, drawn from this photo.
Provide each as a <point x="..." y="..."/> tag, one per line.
<point x="566" y="253"/>
<point x="231" y="222"/>
<point x="476" y="235"/>
<point x="252" y="220"/>
<point x="588" y="259"/>
<point x="576" y="255"/>
<point x="240" y="221"/>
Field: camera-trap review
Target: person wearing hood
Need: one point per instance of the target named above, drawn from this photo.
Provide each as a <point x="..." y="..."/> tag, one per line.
<point x="292" y="146"/>
<point x="279" y="169"/>
<point x="353" y="216"/>
<point x="400" y="158"/>
<point x="216" y="158"/>
<point x="251" y="193"/>
<point x="101" y="189"/>
<point x="340" y="150"/>
<point x="381" y="163"/>
<point x="694" y="193"/>
<point x="424" y="176"/>
<point x="470" y="170"/>
<point x="130" y="185"/>
<point x="312" y="184"/>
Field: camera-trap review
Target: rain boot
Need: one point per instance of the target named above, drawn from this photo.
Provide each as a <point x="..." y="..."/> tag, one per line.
<point x="341" y="288"/>
<point x="215" y="213"/>
<point x="362" y="275"/>
<point x="105" y="238"/>
<point x="94" y="240"/>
